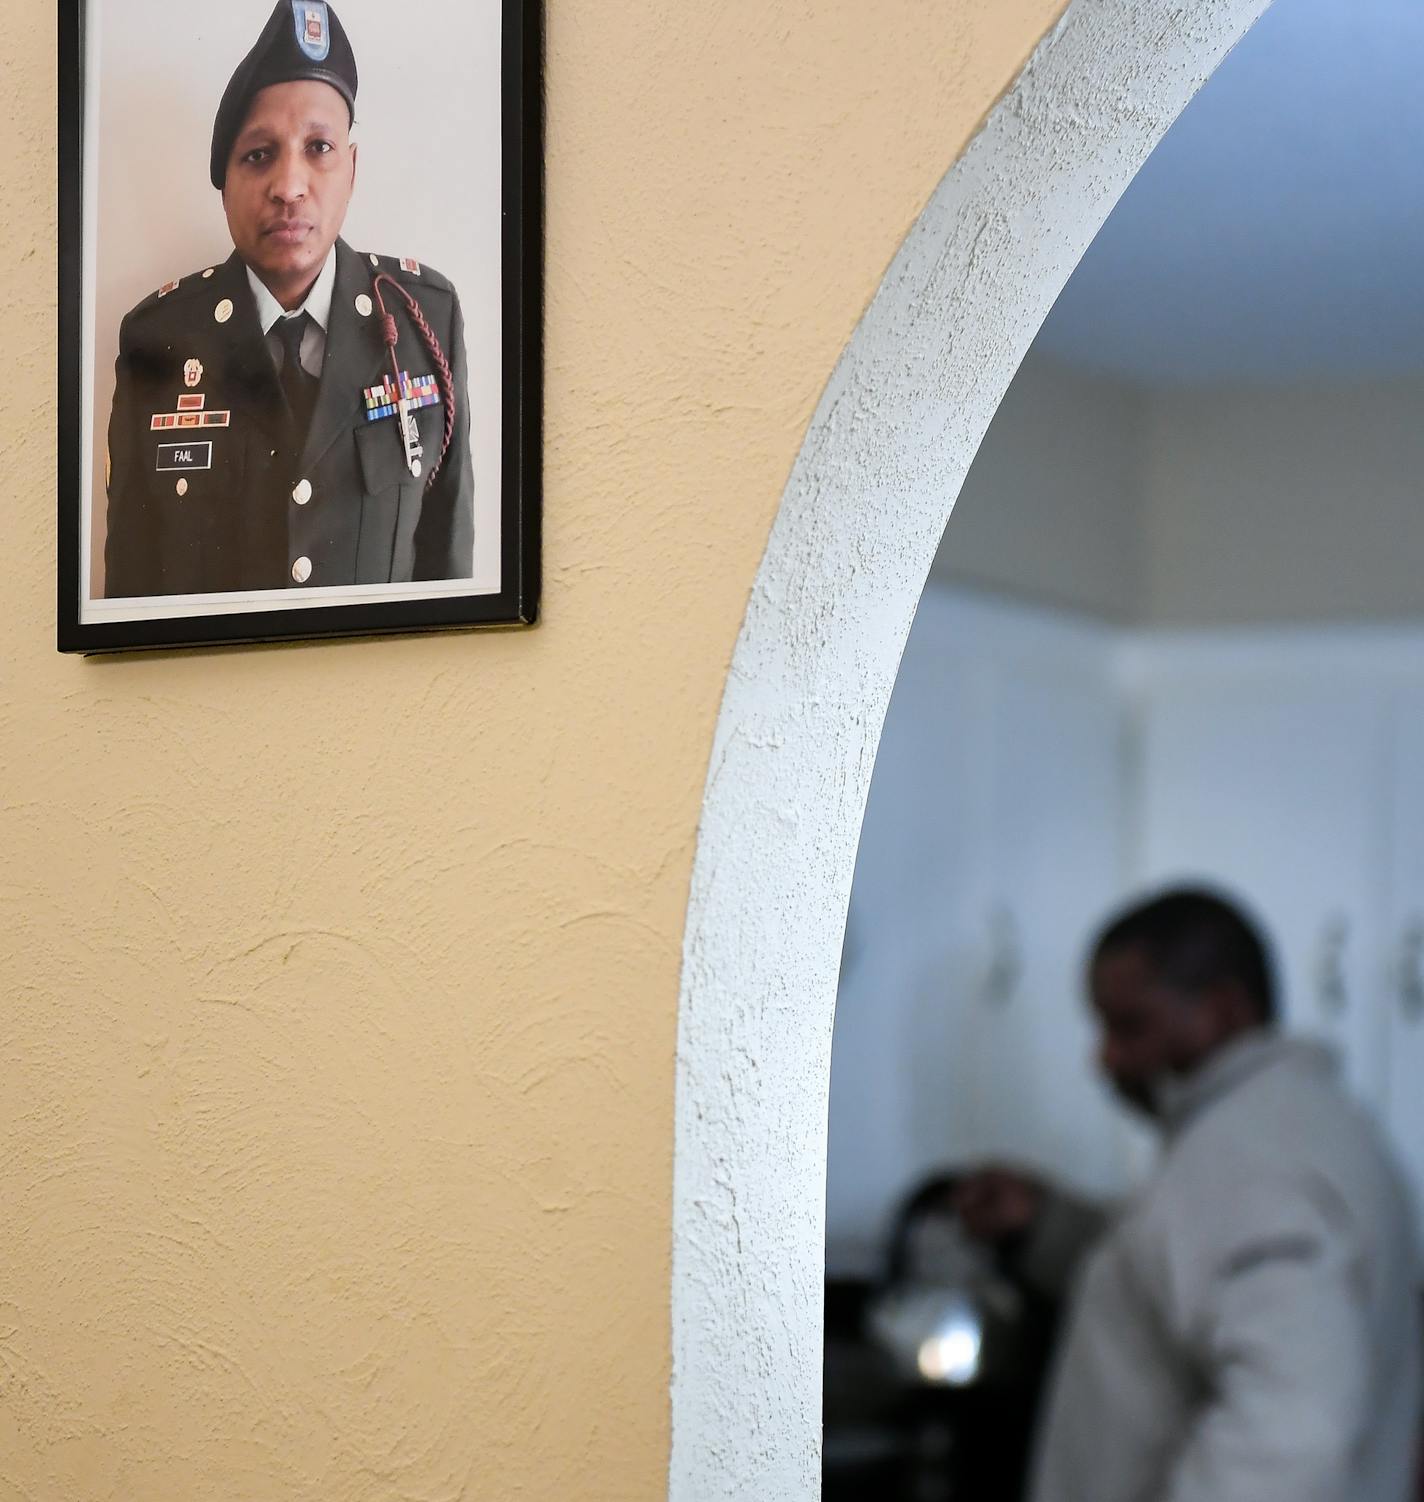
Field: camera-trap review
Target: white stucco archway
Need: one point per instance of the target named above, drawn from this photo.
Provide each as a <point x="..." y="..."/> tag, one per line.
<point x="884" y="459"/>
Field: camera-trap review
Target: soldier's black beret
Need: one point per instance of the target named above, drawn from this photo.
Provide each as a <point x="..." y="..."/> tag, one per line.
<point x="302" y="39"/>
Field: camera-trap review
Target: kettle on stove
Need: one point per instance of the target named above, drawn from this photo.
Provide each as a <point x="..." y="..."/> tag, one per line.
<point x="947" y="1314"/>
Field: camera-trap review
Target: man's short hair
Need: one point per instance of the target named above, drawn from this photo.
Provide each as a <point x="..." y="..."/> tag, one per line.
<point x="1195" y="938"/>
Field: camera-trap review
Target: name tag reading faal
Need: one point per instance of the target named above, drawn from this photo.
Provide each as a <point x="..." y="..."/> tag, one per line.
<point x="173" y="456"/>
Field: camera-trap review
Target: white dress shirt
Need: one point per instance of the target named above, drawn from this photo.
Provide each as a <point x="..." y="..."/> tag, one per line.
<point x="317" y="305"/>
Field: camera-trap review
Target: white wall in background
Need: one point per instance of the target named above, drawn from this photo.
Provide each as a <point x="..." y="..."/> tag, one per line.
<point x="1403" y="978"/>
<point x="993" y="840"/>
<point x="1196" y="507"/>
<point x="1285" y="505"/>
<point x="1052" y="509"/>
<point x="1264" y="762"/>
<point x="1285" y="764"/>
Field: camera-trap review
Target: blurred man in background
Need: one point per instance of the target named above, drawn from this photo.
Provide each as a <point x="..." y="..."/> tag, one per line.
<point x="1245" y="1329"/>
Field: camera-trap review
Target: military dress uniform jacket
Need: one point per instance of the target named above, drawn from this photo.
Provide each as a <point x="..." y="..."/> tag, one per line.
<point x="263" y="507"/>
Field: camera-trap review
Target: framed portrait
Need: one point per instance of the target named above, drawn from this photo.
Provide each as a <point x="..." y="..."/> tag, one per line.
<point x="300" y="380"/>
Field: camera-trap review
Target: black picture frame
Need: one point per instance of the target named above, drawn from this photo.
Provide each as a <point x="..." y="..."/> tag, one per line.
<point x="516" y="603"/>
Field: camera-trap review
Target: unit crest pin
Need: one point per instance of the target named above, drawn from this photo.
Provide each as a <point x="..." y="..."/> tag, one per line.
<point x="192" y="373"/>
<point x="313" y="28"/>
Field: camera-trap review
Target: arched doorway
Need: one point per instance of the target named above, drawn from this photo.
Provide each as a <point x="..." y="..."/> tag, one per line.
<point x="864" y="511"/>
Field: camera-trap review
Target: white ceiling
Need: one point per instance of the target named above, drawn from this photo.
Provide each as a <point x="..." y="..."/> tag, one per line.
<point x="1277" y="234"/>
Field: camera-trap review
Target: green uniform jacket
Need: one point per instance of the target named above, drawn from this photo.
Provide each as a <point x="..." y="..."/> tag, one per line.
<point x="252" y="512"/>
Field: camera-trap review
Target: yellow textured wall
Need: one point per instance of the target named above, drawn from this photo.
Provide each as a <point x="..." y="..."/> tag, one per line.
<point x="337" y="983"/>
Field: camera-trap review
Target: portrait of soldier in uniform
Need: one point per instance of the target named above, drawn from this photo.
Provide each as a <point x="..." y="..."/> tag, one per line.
<point x="295" y="416"/>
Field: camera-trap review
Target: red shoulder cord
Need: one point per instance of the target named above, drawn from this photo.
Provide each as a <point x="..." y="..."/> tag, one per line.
<point x="442" y="365"/>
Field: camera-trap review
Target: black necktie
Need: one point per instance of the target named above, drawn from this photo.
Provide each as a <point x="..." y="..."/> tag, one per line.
<point x="297" y="386"/>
